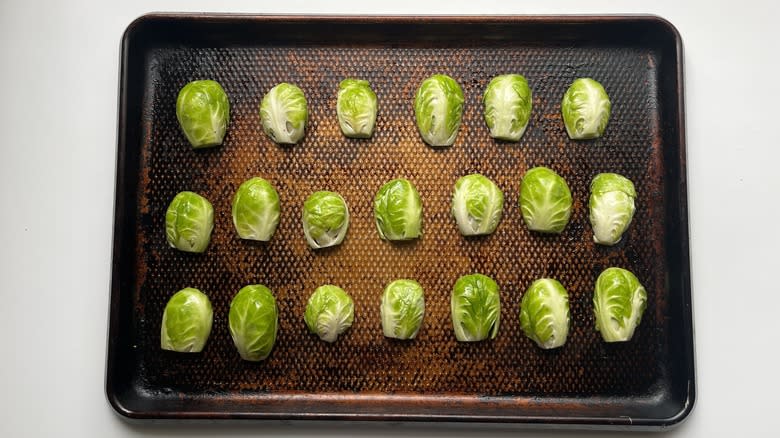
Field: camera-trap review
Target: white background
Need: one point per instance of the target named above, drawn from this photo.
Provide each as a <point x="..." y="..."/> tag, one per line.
<point x="58" y="77"/>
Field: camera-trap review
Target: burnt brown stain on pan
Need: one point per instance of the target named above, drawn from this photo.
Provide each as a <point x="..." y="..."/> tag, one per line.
<point x="433" y="376"/>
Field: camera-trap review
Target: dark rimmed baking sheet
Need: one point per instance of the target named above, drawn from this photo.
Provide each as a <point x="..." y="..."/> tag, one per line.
<point x="647" y="382"/>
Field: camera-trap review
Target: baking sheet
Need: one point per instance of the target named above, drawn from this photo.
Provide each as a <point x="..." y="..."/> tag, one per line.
<point x="647" y="382"/>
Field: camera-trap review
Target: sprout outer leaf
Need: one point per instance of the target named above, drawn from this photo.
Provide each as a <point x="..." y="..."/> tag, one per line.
<point x="477" y="205"/>
<point x="398" y="211"/>
<point x="545" y="200"/>
<point x="402" y="310"/>
<point x="438" y="108"/>
<point x="618" y="303"/>
<point x="203" y="111"/>
<point x="189" y="221"/>
<point x="508" y="101"/>
<point x="475" y="305"/>
<point x="544" y="313"/>
<point x="356" y="108"/>
<point x="586" y="109"/>
<point x="284" y="113"/>
<point x="611" y="207"/>
<point x="186" y="321"/>
<point x="253" y="322"/>
<point x="325" y="219"/>
<point x="256" y="210"/>
<point x="329" y="312"/>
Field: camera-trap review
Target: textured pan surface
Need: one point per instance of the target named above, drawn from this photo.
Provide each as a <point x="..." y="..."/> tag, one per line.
<point x="364" y="363"/>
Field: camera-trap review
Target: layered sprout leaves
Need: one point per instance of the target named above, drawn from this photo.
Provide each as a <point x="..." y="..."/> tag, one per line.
<point x="398" y="211"/>
<point x="256" y="209"/>
<point x="475" y="305"/>
<point x="329" y="312"/>
<point x="508" y="101"/>
<point x="203" y="111"/>
<point x="253" y="322"/>
<point x="189" y="221"/>
<point x="544" y="313"/>
<point x="356" y="108"/>
<point x="618" y="303"/>
<point x="586" y="109"/>
<point x="186" y="322"/>
<point x="477" y="205"/>
<point x="438" y="108"/>
<point x="325" y="219"/>
<point x="402" y="310"/>
<point x="545" y="200"/>
<point x="611" y="207"/>
<point x="284" y="113"/>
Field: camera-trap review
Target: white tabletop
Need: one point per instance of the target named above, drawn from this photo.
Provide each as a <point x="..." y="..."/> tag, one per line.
<point x="58" y="118"/>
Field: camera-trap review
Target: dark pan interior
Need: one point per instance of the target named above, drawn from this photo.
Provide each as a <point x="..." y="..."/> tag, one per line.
<point x="646" y="382"/>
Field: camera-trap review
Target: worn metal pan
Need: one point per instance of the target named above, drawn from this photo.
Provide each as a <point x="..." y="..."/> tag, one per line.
<point x="645" y="383"/>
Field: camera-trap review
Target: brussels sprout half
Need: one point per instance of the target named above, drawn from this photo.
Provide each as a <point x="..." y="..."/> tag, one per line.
<point x="508" y="104"/>
<point x="611" y="207"/>
<point x="253" y="321"/>
<point x="398" y="211"/>
<point x="256" y="210"/>
<point x="325" y="219"/>
<point x="403" y="308"/>
<point x="544" y="313"/>
<point x="283" y="113"/>
<point x="203" y="111"/>
<point x="586" y="109"/>
<point x="189" y="222"/>
<point x="476" y="308"/>
<point x="477" y="205"/>
<point x="186" y="321"/>
<point x="545" y="200"/>
<point x="329" y="312"/>
<point x="356" y="108"/>
<point x="618" y="303"/>
<point x="438" y="108"/>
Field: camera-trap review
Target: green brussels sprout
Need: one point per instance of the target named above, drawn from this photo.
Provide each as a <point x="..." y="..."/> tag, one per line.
<point x="476" y="308"/>
<point x="253" y="321"/>
<point x="325" y="219"/>
<point x="186" y="321"/>
<point x="438" y="108"/>
<point x="618" y="302"/>
<point x="477" y="205"/>
<point x="585" y="108"/>
<point x="189" y="222"/>
<point x="203" y="111"/>
<point x="329" y="312"/>
<point x="403" y="308"/>
<point x="545" y="200"/>
<point x="544" y="313"/>
<point x="398" y="211"/>
<point x="611" y="207"/>
<point x="256" y="210"/>
<point x="356" y="108"/>
<point x="508" y="104"/>
<point x="283" y="113"/>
